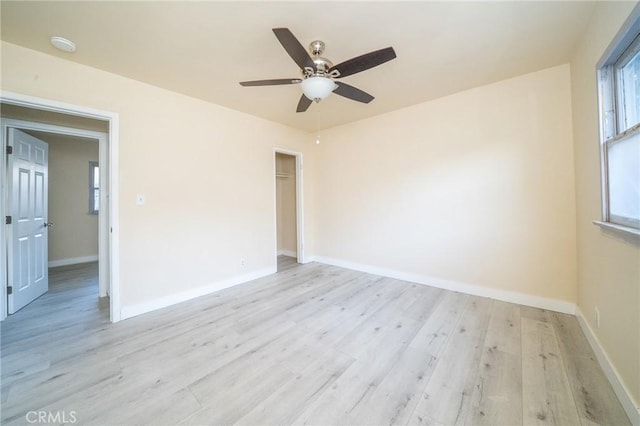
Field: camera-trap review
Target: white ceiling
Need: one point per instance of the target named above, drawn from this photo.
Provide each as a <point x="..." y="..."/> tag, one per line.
<point x="203" y="49"/>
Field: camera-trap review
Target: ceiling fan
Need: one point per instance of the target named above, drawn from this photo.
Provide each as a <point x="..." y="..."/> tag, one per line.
<point x="319" y="74"/>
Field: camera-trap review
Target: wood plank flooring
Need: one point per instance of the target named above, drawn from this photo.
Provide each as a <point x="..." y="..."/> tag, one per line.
<point x="312" y="344"/>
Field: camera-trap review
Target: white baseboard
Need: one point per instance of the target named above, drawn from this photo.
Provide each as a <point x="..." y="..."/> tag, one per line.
<point x="172" y="299"/>
<point x="630" y="407"/>
<point x="288" y="253"/>
<point x="72" y="261"/>
<point x="476" y="290"/>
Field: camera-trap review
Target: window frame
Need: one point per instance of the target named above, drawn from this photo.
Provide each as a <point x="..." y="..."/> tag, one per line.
<point x="610" y="94"/>
<point x="93" y="209"/>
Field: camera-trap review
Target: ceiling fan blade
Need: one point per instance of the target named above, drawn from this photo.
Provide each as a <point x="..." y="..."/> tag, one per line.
<point x="293" y="47"/>
<point x="303" y="104"/>
<point x="274" y="82"/>
<point x="352" y="93"/>
<point x="364" y="62"/>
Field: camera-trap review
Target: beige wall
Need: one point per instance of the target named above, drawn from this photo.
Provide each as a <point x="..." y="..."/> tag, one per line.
<point x="475" y="188"/>
<point x="75" y="231"/>
<point x="608" y="262"/>
<point x="206" y="173"/>
<point x="286" y="203"/>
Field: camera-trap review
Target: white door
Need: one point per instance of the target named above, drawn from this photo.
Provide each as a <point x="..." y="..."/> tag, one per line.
<point x="27" y="254"/>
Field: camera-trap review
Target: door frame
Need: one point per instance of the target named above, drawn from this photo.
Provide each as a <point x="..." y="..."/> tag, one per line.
<point x="299" y="204"/>
<point x="108" y="161"/>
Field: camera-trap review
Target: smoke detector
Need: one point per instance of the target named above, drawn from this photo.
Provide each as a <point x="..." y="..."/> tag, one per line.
<point x="63" y="44"/>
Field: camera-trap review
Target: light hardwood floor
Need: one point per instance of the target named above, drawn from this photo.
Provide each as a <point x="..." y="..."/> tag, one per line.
<point x="312" y="344"/>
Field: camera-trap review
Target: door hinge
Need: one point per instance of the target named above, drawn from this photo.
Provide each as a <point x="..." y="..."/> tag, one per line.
<point x="7" y="220"/>
<point x="9" y="290"/>
<point x="9" y="149"/>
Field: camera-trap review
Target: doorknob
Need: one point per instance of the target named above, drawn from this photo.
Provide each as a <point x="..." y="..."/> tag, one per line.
<point x="48" y="224"/>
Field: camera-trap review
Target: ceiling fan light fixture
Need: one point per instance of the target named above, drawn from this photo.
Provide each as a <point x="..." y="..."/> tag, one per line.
<point x="317" y="88"/>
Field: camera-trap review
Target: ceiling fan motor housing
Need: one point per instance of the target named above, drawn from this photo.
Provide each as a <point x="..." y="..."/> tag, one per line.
<point x="322" y="67"/>
<point x="322" y="64"/>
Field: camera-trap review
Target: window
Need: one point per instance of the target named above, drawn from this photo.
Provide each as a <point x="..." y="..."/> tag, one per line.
<point x="619" y="90"/>
<point x="94" y="187"/>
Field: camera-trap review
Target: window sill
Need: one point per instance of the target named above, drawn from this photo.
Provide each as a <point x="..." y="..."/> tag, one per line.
<point x="620" y="228"/>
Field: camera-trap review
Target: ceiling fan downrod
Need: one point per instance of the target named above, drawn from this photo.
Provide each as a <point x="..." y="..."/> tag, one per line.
<point x="323" y="65"/>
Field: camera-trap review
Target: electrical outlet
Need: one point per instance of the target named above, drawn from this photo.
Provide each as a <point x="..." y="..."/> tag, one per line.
<point x="597" y="317"/>
<point x="242" y="263"/>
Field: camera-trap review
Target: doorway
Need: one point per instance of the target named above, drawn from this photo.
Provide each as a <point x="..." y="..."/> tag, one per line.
<point x="76" y="237"/>
<point x="74" y="199"/>
<point x="288" y="197"/>
<point x="107" y="162"/>
<point x="74" y="218"/>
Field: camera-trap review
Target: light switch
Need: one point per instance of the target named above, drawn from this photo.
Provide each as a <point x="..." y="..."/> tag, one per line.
<point x="140" y="199"/>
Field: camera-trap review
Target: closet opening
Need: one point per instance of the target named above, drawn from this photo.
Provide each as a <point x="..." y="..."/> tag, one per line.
<point x="288" y="209"/>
